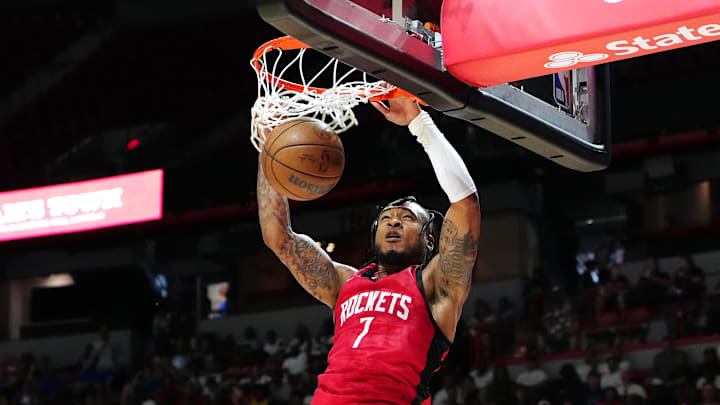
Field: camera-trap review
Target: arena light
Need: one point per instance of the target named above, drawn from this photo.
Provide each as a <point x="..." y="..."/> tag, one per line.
<point x="81" y="206"/>
<point x="58" y="280"/>
<point x="134" y="143"/>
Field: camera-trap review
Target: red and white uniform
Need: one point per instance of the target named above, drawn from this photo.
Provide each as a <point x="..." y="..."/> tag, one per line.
<point x="386" y="346"/>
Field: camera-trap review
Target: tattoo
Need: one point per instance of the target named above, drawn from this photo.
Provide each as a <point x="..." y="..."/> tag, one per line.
<point x="457" y="256"/>
<point x="271" y="205"/>
<point x="314" y="270"/>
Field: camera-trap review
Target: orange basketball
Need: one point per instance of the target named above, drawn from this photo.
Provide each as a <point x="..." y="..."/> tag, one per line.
<point x="303" y="159"/>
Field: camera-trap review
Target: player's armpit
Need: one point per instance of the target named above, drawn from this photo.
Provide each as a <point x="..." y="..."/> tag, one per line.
<point x="458" y="250"/>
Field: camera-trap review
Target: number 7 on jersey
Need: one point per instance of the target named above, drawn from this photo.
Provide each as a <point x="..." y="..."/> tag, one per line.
<point x="367" y="321"/>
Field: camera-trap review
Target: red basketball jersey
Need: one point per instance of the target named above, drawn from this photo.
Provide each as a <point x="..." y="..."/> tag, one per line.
<point x="386" y="346"/>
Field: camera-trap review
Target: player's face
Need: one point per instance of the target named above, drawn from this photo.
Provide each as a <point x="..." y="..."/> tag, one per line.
<point x="400" y="239"/>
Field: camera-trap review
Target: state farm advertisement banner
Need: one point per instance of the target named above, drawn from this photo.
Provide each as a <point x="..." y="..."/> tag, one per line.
<point x="487" y="44"/>
<point x="81" y="206"/>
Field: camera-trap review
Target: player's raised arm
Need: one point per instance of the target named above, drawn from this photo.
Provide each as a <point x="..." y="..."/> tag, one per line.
<point x="307" y="262"/>
<point x="461" y="228"/>
<point x="451" y="270"/>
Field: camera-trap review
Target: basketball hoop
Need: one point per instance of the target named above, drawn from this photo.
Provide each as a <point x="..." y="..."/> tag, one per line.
<point x="280" y="100"/>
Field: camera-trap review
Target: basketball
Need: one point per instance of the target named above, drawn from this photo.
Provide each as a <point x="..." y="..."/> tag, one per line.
<point x="303" y="159"/>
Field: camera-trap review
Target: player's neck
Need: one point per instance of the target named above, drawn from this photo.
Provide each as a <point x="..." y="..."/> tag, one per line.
<point x="387" y="269"/>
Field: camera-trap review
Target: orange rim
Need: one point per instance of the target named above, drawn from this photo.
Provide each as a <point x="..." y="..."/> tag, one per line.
<point x="289" y="43"/>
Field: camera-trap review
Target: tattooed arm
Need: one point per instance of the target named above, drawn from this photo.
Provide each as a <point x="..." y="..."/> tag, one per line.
<point x="307" y="262"/>
<point x="450" y="271"/>
<point x="458" y="248"/>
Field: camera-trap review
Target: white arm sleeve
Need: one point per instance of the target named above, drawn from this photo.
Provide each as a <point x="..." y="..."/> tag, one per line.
<point x="449" y="167"/>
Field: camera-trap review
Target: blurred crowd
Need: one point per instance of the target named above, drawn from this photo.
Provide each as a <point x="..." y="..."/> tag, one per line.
<point x="605" y="312"/>
<point x="604" y="308"/>
<point x="594" y="380"/>
<point x="177" y="370"/>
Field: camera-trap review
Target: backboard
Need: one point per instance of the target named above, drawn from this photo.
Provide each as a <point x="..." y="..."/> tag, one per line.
<point x="390" y="44"/>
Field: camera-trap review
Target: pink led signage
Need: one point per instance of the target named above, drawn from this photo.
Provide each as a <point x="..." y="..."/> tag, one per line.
<point x="81" y="206"/>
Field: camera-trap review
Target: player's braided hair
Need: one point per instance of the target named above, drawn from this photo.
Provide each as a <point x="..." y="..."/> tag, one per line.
<point x="432" y="226"/>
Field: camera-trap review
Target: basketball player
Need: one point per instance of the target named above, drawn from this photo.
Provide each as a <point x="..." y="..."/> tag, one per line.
<point x="395" y="318"/>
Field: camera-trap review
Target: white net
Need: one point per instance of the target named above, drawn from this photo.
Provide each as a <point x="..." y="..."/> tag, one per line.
<point x="276" y="104"/>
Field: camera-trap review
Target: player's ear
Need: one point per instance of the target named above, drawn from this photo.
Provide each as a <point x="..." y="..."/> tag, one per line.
<point x="430" y="242"/>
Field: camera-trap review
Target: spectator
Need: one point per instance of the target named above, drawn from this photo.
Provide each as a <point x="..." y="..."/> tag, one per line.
<point x="481" y="326"/>
<point x="261" y="395"/>
<point x="611" y="397"/>
<point x="522" y="396"/>
<point x="628" y="388"/>
<point x="709" y="395"/>
<point x="238" y="394"/>
<point x="302" y="338"/>
<point x="501" y="390"/>
<point x="249" y="340"/>
<point x="617" y="356"/>
<point x="449" y="394"/>
<point x="295" y="364"/>
<point x="611" y="295"/>
<point x="659" y="394"/>
<point x="590" y="364"/>
<point x="263" y="375"/>
<point x="561" y="327"/>
<point x="713" y="379"/>
<point x="467" y="386"/>
<point x="534" y="377"/>
<point x="231" y="350"/>
<point x="570" y="386"/>
<point x="272" y="344"/>
<point x="161" y="325"/>
<point x="200" y="356"/>
<point x="613" y="376"/>
<point x="528" y="335"/>
<point x="169" y="392"/>
<point x="306" y="384"/>
<point x="181" y="359"/>
<point x="280" y="388"/>
<point x="685" y="394"/>
<point x="689" y="279"/>
<point x="322" y="343"/>
<point x="476" y="397"/>
<point x="87" y="360"/>
<point x="482" y="377"/>
<point x="103" y="358"/>
<point x="594" y="394"/>
<point x="131" y="391"/>
<point x="670" y="364"/>
<point x="710" y="367"/>
<point x="651" y="288"/>
<point x="27" y="395"/>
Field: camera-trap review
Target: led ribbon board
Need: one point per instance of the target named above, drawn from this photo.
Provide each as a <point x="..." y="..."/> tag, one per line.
<point x="488" y="43"/>
<point x="81" y="206"/>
